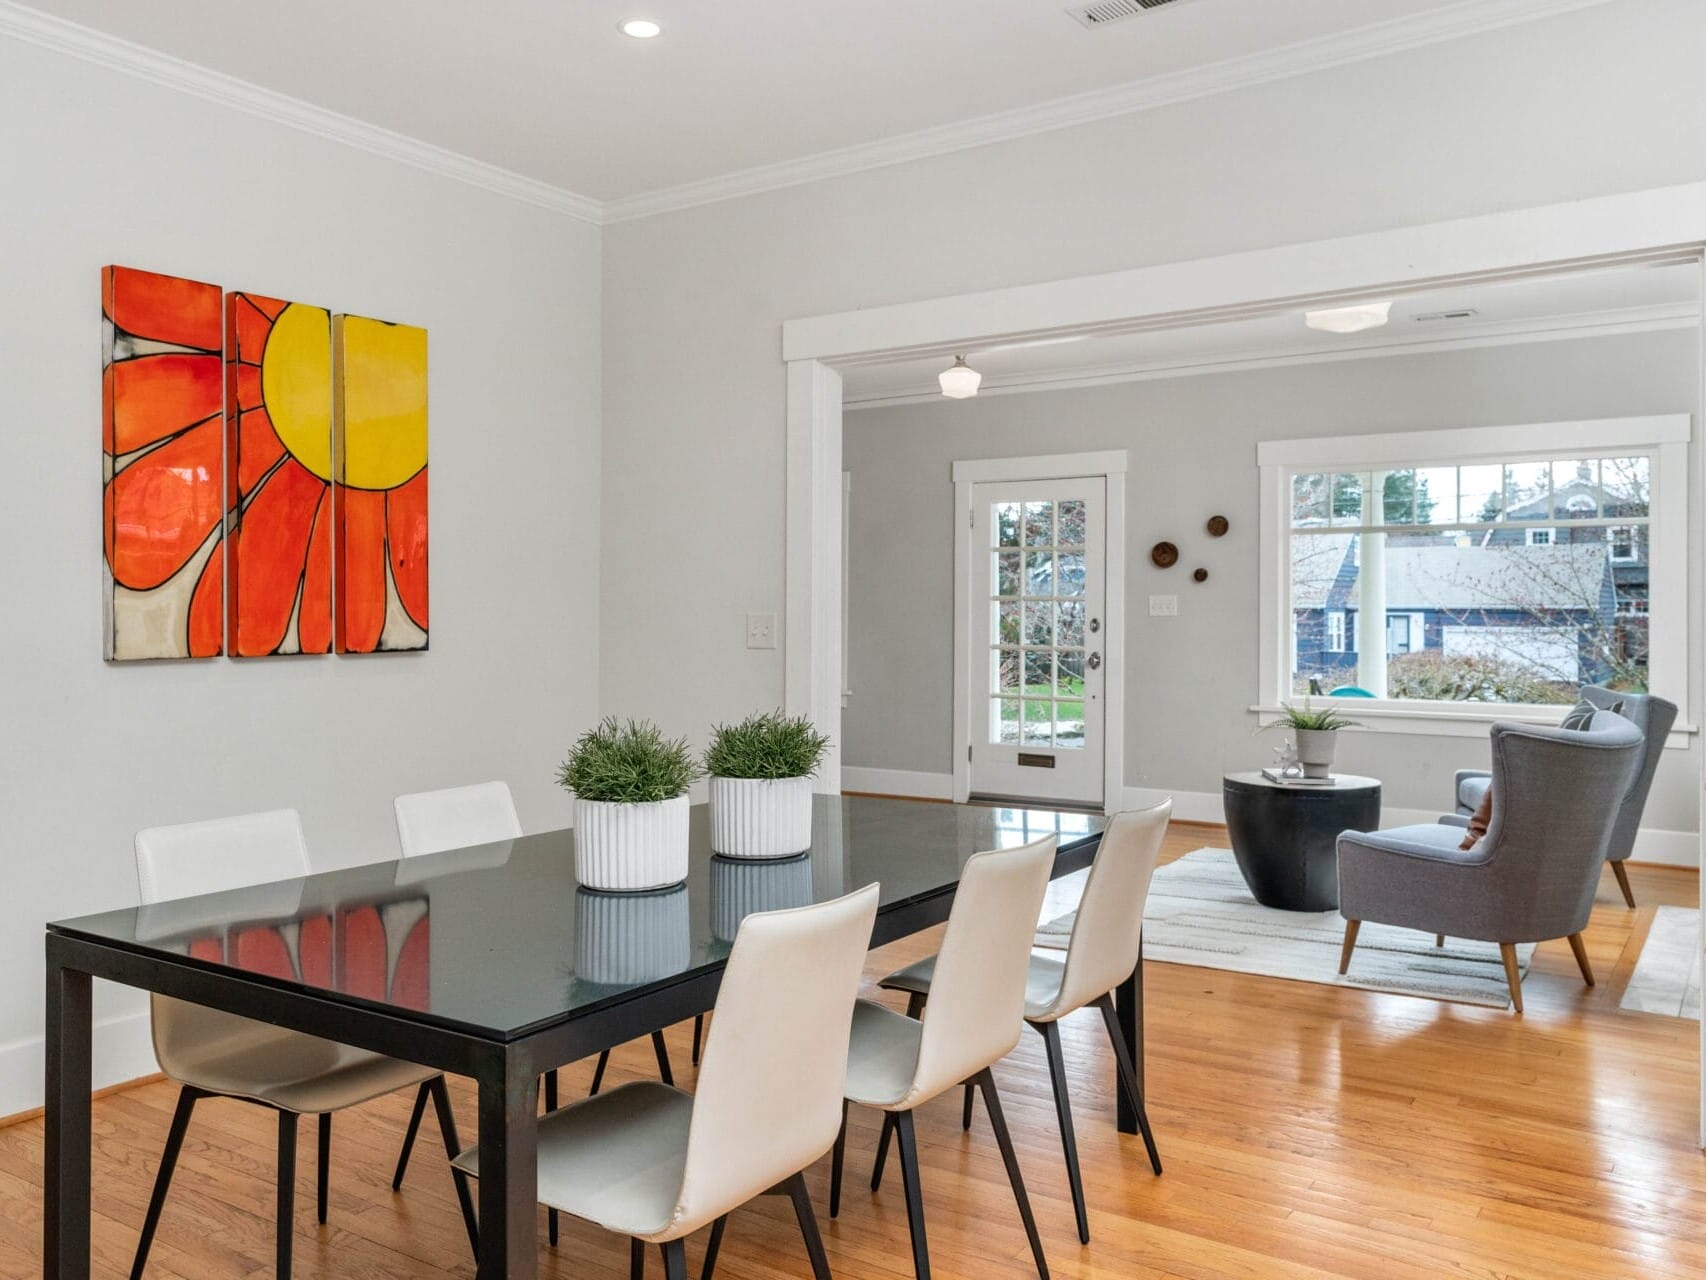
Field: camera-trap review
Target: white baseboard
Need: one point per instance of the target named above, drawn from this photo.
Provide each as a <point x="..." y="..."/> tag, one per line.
<point x="123" y="1049"/>
<point x="1662" y="848"/>
<point x="898" y="782"/>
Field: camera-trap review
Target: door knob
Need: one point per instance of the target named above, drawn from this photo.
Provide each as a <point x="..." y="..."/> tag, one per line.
<point x="1095" y="625"/>
<point x="1095" y="661"/>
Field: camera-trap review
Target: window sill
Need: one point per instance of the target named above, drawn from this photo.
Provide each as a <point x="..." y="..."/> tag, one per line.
<point x="1445" y="721"/>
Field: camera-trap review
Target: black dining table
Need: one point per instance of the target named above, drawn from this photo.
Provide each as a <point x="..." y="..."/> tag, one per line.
<point x="492" y="963"/>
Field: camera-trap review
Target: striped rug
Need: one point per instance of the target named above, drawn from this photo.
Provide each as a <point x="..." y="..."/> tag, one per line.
<point x="1200" y="913"/>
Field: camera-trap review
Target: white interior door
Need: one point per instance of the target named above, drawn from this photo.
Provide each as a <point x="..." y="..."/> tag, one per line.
<point x="1036" y="634"/>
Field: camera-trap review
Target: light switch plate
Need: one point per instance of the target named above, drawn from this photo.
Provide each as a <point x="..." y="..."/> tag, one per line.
<point x="1163" y="606"/>
<point x="760" y="631"/>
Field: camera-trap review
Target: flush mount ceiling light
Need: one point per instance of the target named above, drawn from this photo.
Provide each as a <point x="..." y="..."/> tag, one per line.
<point x="1365" y="315"/>
<point x="961" y="381"/>
<point x="640" y="28"/>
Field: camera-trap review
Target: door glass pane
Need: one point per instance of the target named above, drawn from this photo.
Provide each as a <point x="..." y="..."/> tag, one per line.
<point x="1007" y="626"/>
<point x="1039" y="716"/>
<point x="1070" y="622"/>
<point x="1039" y="530"/>
<point x="1069" y="726"/>
<point x="1071" y="515"/>
<point x="1069" y="566"/>
<point x="1006" y="727"/>
<point x="1007" y="571"/>
<point x="1007" y="524"/>
<point x="1007" y="668"/>
<point x="1039" y="573"/>
<point x="1070" y="670"/>
<point x="1039" y="624"/>
<point x="1039" y="672"/>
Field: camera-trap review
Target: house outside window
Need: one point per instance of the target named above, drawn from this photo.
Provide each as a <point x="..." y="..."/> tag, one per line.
<point x="1502" y="566"/>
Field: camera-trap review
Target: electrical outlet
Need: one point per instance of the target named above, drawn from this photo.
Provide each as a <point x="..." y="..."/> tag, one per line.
<point x="1163" y="606"/>
<point x="760" y="631"/>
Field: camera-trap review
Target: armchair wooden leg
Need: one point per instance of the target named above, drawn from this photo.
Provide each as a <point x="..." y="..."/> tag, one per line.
<point x="1513" y="972"/>
<point x="1623" y="883"/>
<point x="1351" y="928"/>
<point x="1581" y="950"/>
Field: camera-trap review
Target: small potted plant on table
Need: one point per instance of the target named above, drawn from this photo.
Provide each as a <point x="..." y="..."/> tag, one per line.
<point x="1316" y="733"/>
<point x="631" y="806"/>
<point x="761" y="785"/>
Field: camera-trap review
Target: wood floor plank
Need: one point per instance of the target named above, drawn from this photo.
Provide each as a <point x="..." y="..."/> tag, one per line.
<point x="1309" y="1131"/>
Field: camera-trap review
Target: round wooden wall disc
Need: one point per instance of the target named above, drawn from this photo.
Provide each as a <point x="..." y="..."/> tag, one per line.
<point x="1164" y="554"/>
<point x="1201" y="575"/>
<point x="1217" y="526"/>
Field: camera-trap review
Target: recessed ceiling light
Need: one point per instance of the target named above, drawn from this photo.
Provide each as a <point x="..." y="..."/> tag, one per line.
<point x="641" y="28"/>
<point x="1367" y="315"/>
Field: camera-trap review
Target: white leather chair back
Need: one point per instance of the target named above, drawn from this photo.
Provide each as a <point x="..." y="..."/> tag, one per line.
<point x="768" y="1099"/>
<point x="1109" y="925"/>
<point x="455" y="818"/>
<point x="212" y="857"/>
<point x="977" y="992"/>
<point x="224" y="853"/>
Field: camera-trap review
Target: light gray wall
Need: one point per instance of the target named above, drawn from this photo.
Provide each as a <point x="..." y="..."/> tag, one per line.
<point x="1602" y="100"/>
<point x="98" y="167"/>
<point x="1192" y="448"/>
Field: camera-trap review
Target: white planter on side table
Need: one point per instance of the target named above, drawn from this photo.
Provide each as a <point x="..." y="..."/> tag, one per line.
<point x="1315" y="749"/>
<point x="761" y="817"/>
<point x="628" y="848"/>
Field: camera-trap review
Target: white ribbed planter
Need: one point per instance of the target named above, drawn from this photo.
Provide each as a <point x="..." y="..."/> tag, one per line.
<point x="626" y="848"/>
<point x="761" y="817"/>
<point x="629" y="938"/>
<point x="742" y="886"/>
<point x="1315" y="749"/>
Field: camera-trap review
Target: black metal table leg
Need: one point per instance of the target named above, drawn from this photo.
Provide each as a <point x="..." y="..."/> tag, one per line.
<point x="65" y="1183"/>
<point x="509" y="1164"/>
<point x="1128" y="1007"/>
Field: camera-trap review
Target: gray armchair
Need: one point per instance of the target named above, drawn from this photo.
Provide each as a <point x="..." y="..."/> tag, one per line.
<point x="1654" y="718"/>
<point x="1532" y="877"/>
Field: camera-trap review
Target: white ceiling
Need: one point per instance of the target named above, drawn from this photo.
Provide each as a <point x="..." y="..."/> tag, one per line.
<point x="1630" y="298"/>
<point x="550" y="90"/>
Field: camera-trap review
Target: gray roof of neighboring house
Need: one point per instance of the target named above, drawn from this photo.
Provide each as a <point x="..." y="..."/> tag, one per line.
<point x="1451" y="577"/>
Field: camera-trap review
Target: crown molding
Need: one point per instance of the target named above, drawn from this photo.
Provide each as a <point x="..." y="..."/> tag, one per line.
<point x="1469" y="17"/>
<point x="1494" y="333"/>
<point x="49" y="32"/>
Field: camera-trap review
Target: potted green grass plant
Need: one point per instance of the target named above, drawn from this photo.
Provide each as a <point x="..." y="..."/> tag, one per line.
<point x="631" y="806"/>
<point x="1316" y="733"/>
<point x="761" y="785"/>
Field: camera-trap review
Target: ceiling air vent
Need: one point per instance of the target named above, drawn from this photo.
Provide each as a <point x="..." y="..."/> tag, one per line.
<point x="1460" y="313"/>
<point x="1106" y="12"/>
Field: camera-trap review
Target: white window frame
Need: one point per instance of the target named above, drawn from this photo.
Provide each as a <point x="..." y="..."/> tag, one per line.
<point x="1634" y="555"/>
<point x="1336" y="631"/>
<point x="1665" y="437"/>
<point x="1541" y="537"/>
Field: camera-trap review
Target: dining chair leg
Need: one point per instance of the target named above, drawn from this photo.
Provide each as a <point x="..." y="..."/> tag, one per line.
<point x="1063" y="1108"/>
<point x="662" y="1051"/>
<point x="551" y="1224"/>
<point x="598" y="1073"/>
<point x="286" y="1192"/>
<point x="808" y="1227"/>
<point x="889" y="1123"/>
<point x="453" y="1148"/>
<point x="965" y="1107"/>
<point x="1581" y="950"/>
<point x="1128" y="1077"/>
<point x="163" y="1180"/>
<point x="709" y="1267"/>
<point x="1351" y="929"/>
<point x="698" y="1036"/>
<point x="837" y="1160"/>
<point x="1623" y="883"/>
<point x="1004" y="1140"/>
<point x="674" y="1260"/>
<point x="409" y="1135"/>
<point x="636" y="1258"/>
<point x="1513" y="972"/>
<point x="323" y="1161"/>
<point x="914" y="1193"/>
<point x="915" y="1004"/>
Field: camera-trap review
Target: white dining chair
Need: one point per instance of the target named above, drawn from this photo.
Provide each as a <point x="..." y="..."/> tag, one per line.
<point x="897" y="1063"/>
<point x="456" y="818"/>
<point x="212" y="1053"/>
<point x="655" y="1164"/>
<point x="1103" y="951"/>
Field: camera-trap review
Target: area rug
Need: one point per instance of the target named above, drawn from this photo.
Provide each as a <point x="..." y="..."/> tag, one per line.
<point x="1200" y="913"/>
<point x="1667" y="974"/>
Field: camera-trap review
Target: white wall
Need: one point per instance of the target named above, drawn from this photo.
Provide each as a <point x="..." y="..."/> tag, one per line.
<point x="97" y="168"/>
<point x="1595" y="102"/>
<point x="1191" y="679"/>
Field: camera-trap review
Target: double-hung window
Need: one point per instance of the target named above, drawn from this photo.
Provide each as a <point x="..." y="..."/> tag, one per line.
<point x="1440" y="574"/>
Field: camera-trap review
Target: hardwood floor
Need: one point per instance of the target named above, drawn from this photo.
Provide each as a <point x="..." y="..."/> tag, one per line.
<point x="1307" y="1131"/>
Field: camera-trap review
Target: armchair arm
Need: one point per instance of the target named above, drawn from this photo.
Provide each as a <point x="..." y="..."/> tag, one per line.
<point x="1434" y="843"/>
<point x="1454" y="819"/>
<point x="1464" y="776"/>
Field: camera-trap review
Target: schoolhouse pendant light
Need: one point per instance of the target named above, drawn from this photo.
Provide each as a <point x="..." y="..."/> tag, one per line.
<point x="1368" y="315"/>
<point x="961" y="381"/>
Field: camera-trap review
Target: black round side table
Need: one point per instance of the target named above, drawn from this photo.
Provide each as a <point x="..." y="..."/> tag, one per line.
<point x="1285" y="836"/>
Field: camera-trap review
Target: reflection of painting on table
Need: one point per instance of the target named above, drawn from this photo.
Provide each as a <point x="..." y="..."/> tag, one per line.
<point x="161" y="401"/>
<point x="381" y="469"/>
<point x="278" y="481"/>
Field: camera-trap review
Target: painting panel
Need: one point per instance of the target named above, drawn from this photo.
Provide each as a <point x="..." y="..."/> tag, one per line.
<point x="381" y="473"/>
<point x="278" y="422"/>
<point x="161" y="404"/>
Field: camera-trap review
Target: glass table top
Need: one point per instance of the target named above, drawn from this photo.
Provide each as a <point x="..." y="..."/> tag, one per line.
<point x="500" y="937"/>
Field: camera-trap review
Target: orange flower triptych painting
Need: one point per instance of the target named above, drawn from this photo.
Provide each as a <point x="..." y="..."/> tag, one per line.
<point x="265" y="475"/>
